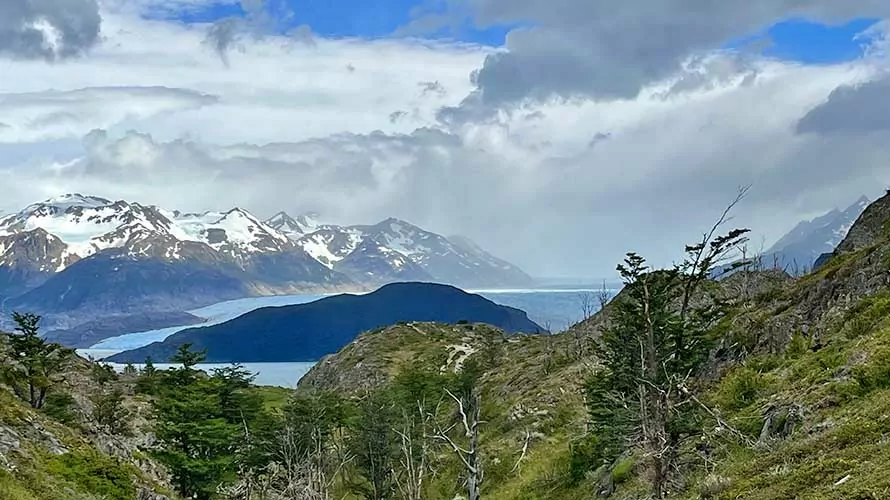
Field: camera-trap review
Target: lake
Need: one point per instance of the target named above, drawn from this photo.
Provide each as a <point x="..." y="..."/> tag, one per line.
<point x="275" y="374"/>
<point x="559" y="308"/>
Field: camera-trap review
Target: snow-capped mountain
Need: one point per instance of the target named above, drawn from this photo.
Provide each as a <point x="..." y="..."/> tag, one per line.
<point x="802" y="246"/>
<point x="87" y="225"/>
<point x="397" y="250"/>
<point x="75" y="257"/>
<point x="294" y="227"/>
<point x="78" y="254"/>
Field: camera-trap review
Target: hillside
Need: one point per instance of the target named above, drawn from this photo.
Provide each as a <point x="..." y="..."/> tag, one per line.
<point x="60" y="452"/>
<point x="306" y="332"/>
<point x="797" y="386"/>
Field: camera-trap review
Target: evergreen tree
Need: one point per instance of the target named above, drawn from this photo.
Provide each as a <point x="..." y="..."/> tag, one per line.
<point x="195" y="437"/>
<point x="148" y="378"/>
<point x="373" y="446"/>
<point x="656" y="342"/>
<point x="34" y="365"/>
<point x="109" y="411"/>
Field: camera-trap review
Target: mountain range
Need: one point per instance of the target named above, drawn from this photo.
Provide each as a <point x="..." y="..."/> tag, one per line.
<point x="75" y="257"/>
<point x="807" y="245"/>
<point x="810" y="239"/>
<point x="307" y="332"/>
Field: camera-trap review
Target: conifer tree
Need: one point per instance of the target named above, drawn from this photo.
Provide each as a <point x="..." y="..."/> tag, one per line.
<point x="655" y="345"/>
<point x="34" y="364"/>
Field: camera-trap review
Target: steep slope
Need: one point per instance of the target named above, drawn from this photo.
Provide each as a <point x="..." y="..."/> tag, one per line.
<point x="799" y="369"/>
<point x="29" y="259"/>
<point x="46" y="457"/>
<point x="306" y="332"/>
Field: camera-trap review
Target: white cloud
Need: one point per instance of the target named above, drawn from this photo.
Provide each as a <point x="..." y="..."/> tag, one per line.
<point x="37" y="116"/>
<point x="556" y="187"/>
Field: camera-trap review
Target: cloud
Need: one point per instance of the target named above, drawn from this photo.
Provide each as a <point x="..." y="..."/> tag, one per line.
<point x="432" y="88"/>
<point x="48" y="29"/>
<point x="613" y="49"/>
<point x="34" y="116"/>
<point x="262" y="18"/>
<point x="532" y="191"/>
<point x="852" y="109"/>
<point x="278" y="89"/>
<point x="292" y="128"/>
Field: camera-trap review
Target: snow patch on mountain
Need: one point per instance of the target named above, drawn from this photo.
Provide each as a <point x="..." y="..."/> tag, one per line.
<point x="87" y="225"/>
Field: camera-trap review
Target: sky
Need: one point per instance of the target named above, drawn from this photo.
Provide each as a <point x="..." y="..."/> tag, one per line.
<point x="559" y="135"/>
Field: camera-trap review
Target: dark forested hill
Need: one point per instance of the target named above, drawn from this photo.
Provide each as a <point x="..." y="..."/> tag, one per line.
<point x="306" y="332"/>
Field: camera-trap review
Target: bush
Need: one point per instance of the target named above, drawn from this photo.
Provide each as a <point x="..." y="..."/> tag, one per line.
<point x="740" y="388"/>
<point x="622" y="470"/>
<point x="11" y="490"/>
<point x="91" y="472"/>
<point x="875" y="374"/>
<point x="586" y="455"/>
<point x="109" y="411"/>
<point x="61" y="407"/>
<point x="103" y="373"/>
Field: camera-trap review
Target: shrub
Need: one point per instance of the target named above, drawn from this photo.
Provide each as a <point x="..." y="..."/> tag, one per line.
<point x="109" y="411"/>
<point x="622" y="470"/>
<point x="11" y="490"/>
<point x="61" y="407"/>
<point x="740" y="388"/>
<point x="875" y="374"/>
<point x="91" y="472"/>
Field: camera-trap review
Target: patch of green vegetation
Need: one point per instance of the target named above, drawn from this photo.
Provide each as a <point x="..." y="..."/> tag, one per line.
<point x="10" y="489"/>
<point x="92" y="472"/>
<point x="274" y="398"/>
<point x="741" y="387"/>
<point x="623" y="470"/>
<point x="875" y="373"/>
<point x="60" y="406"/>
<point x="867" y="314"/>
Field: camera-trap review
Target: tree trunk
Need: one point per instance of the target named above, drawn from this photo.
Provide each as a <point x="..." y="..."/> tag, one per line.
<point x="653" y="401"/>
<point x="474" y="471"/>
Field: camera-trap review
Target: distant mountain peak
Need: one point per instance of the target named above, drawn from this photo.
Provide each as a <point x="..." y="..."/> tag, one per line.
<point x="294" y="227"/>
<point x="809" y="239"/>
<point x="77" y="199"/>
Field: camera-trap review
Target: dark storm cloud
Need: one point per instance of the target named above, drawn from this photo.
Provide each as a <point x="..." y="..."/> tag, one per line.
<point x="852" y="110"/>
<point x="610" y="49"/>
<point x="48" y="29"/>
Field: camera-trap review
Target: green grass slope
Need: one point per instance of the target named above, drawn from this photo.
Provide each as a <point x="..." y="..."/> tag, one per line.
<point x="798" y="383"/>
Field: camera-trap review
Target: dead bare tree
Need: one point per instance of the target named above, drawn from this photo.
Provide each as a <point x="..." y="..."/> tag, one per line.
<point x="469" y="407"/>
<point x="299" y="470"/>
<point x="603" y="296"/>
<point x="549" y="351"/>
<point x="414" y="462"/>
<point x="587" y="303"/>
